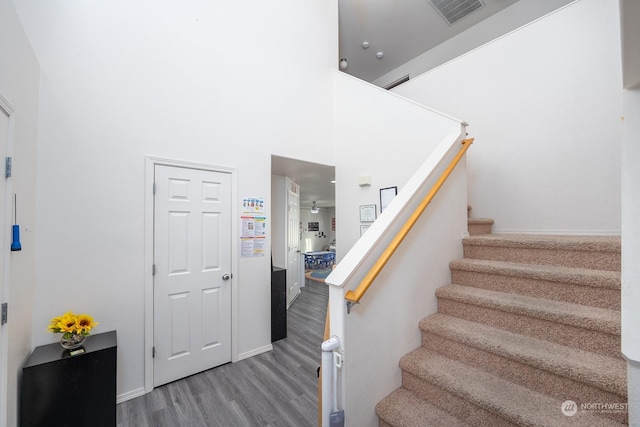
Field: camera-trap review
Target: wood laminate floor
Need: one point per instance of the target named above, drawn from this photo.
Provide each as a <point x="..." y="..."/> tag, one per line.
<point x="277" y="388"/>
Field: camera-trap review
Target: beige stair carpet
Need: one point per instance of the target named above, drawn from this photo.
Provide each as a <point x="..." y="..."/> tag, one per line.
<point x="528" y="326"/>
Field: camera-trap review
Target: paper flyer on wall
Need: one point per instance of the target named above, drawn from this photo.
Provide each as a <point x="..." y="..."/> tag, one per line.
<point x="253" y="205"/>
<point x="253" y="233"/>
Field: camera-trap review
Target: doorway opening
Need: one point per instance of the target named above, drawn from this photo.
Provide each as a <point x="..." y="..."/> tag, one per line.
<point x="303" y="218"/>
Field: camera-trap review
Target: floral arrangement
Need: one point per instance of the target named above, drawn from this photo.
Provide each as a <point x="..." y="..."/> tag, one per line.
<point x="70" y="324"/>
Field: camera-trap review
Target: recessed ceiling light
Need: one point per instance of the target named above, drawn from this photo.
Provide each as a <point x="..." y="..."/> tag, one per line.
<point x="365" y="45"/>
<point x="379" y="55"/>
<point x="333" y="181"/>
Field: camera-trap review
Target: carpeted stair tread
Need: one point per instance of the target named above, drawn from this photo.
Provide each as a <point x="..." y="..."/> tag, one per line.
<point x="592" y="318"/>
<point x="575" y="364"/>
<point x="594" y="252"/>
<point x="551" y="273"/>
<point x="480" y="221"/>
<point x="402" y="408"/>
<point x="513" y="402"/>
<point x="538" y="241"/>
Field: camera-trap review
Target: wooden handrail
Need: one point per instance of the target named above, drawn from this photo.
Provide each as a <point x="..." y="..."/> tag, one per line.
<point x="354" y="297"/>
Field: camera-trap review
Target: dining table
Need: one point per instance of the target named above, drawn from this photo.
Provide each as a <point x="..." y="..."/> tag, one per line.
<point x="319" y="258"/>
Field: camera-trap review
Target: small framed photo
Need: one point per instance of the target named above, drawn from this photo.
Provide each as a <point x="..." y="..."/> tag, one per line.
<point x="386" y="196"/>
<point x="368" y="213"/>
<point x="363" y="228"/>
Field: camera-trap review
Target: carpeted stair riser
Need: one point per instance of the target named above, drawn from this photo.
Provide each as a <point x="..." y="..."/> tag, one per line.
<point x="597" y="319"/>
<point x="518" y="373"/>
<point x="576" y="364"/>
<point x="584" y="339"/>
<point x="590" y="329"/>
<point x="482" y="399"/>
<point x="405" y="409"/>
<point x="458" y="406"/>
<point x="538" y="364"/>
<point x="477" y="226"/>
<point x="594" y="288"/>
<point x="570" y="251"/>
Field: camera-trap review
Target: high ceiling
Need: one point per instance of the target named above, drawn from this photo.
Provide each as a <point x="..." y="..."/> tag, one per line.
<point x="403" y="30"/>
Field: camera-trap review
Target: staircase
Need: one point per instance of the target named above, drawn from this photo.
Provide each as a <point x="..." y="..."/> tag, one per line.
<point x="528" y="323"/>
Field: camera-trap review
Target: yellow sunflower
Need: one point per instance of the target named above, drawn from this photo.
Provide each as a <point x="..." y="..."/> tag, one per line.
<point x="54" y="324"/>
<point x="68" y="323"/>
<point x="85" y="324"/>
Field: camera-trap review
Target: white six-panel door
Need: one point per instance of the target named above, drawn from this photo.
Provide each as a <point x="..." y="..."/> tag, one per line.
<point x="293" y="241"/>
<point x="192" y="281"/>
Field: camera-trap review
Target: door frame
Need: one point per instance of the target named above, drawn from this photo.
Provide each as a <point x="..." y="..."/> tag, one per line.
<point x="5" y="259"/>
<point x="150" y="165"/>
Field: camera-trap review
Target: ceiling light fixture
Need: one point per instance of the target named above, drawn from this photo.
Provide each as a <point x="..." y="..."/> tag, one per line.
<point x="379" y="55"/>
<point x="365" y="45"/>
<point x="343" y="63"/>
<point x="314" y="208"/>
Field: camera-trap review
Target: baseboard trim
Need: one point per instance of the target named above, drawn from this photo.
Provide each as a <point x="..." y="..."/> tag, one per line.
<point x="255" y="352"/>
<point x="130" y="395"/>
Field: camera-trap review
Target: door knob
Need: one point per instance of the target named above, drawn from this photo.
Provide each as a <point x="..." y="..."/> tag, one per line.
<point x="226" y="276"/>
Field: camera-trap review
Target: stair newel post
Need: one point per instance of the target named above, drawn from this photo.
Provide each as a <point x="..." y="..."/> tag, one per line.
<point x="329" y="379"/>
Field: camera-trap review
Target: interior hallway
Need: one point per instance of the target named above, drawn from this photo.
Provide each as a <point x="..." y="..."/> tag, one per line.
<point x="277" y="388"/>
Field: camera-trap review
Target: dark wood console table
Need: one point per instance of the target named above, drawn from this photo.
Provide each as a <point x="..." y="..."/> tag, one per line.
<point x="63" y="390"/>
<point x="278" y="303"/>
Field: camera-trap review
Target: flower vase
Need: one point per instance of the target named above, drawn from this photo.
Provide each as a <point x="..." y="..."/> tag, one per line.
<point x="73" y="341"/>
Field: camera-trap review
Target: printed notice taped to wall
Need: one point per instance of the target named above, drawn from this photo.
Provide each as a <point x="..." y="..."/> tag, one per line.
<point x="253" y="222"/>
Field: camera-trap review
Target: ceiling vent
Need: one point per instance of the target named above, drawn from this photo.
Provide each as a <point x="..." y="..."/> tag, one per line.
<point x="397" y="83"/>
<point x="454" y="10"/>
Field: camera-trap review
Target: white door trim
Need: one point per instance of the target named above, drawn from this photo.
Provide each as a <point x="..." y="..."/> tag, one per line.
<point x="5" y="222"/>
<point x="151" y="162"/>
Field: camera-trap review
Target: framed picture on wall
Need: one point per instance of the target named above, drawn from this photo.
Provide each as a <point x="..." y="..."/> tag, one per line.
<point x="386" y="196"/>
<point x="364" y="228"/>
<point x="367" y="213"/>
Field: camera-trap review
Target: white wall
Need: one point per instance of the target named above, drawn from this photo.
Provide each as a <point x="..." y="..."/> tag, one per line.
<point x="380" y="134"/>
<point x="631" y="248"/>
<point x="19" y="77"/>
<point x="383" y="327"/>
<point x="388" y="137"/>
<point x="541" y="102"/>
<point x="224" y="84"/>
<point x="629" y="14"/>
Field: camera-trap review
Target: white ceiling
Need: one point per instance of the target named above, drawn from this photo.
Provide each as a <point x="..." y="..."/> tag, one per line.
<point x="405" y="29"/>
<point x="401" y="30"/>
<point x="314" y="180"/>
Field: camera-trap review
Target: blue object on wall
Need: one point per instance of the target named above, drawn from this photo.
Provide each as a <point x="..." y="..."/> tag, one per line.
<point x="15" y="241"/>
<point x="15" y="235"/>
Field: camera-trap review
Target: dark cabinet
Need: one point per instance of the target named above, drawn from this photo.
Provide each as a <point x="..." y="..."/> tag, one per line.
<point x="59" y="389"/>
<point x="278" y="303"/>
